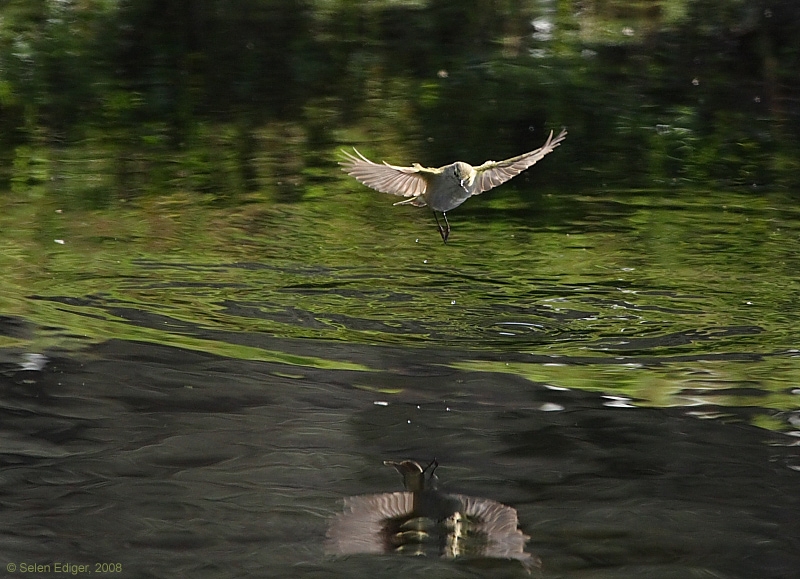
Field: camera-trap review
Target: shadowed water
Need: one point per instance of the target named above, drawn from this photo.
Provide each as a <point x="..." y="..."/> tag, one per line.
<point x="175" y="462"/>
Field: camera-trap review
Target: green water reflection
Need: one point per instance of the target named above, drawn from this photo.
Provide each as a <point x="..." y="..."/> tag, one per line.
<point x="668" y="302"/>
<point x="169" y="175"/>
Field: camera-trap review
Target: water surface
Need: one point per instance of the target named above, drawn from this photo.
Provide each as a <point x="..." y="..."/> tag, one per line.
<point x="209" y="335"/>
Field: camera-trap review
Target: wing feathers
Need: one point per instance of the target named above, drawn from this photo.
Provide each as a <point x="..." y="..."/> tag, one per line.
<point x="386" y="178"/>
<point x="412" y="182"/>
<point x="494" y="173"/>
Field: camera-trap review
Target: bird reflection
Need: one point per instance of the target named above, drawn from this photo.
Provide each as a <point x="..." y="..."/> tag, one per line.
<point x="425" y="521"/>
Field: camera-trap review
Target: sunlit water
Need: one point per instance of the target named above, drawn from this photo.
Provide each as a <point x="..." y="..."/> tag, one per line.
<point x="192" y="391"/>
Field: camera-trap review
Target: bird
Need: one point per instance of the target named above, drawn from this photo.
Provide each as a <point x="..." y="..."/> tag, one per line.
<point x="425" y="521"/>
<point x="444" y="188"/>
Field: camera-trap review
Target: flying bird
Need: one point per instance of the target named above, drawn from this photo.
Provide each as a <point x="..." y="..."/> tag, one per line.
<point x="444" y="188"/>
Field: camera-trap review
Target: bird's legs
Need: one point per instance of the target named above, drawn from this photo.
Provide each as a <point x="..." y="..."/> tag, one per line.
<point x="432" y="478"/>
<point x="434" y="463"/>
<point x="443" y="231"/>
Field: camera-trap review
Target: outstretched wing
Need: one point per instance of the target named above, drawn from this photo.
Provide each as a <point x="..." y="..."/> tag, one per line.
<point x="362" y="526"/>
<point x="494" y="173"/>
<point x="402" y="181"/>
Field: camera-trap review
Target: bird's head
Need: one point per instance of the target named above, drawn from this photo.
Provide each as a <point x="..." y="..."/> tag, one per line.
<point x="414" y="474"/>
<point x="462" y="172"/>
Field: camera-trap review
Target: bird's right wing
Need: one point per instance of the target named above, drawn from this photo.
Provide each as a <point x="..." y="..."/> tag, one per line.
<point x="361" y="527"/>
<point x="493" y="173"/>
<point x="386" y="178"/>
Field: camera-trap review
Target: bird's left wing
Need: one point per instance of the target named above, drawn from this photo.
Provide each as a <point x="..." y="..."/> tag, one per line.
<point x="386" y="178"/>
<point x="494" y="173"/>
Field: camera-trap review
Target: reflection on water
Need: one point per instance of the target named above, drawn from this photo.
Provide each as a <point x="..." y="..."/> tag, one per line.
<point x="199" y="403"/>
<point x="209" y="336"/>
<point x="198" y="400"/>
<point x="171" y="462"/>
<point x="425" y="521"/>
<point x="637" y="305"/>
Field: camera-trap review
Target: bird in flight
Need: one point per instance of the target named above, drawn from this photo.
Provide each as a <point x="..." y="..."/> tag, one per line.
<point x="444" y="188"/>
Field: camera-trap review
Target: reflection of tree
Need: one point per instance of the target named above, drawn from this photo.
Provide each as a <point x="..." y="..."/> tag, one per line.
<point x="654" y="92"/>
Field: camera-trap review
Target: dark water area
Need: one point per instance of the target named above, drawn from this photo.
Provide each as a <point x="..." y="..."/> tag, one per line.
<point x="171" y="462"/>
<point x="210" y="336"/>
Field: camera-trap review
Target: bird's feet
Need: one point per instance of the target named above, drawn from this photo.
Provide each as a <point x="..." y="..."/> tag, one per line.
<point x="443" y="231"/>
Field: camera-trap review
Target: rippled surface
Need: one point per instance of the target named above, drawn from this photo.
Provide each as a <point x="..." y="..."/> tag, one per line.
<point x="672" y="303"/>
<point x="210" y="336"/>
<point x="166" y="460"/>
<point x="196" y="391"/>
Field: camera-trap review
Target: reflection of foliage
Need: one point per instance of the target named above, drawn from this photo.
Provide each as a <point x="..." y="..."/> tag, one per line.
<point x="187" y="95"/>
